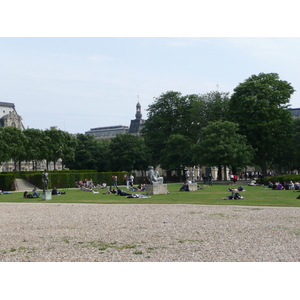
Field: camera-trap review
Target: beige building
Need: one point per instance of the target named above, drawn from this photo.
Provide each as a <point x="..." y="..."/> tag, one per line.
<point x="10" y="117"/>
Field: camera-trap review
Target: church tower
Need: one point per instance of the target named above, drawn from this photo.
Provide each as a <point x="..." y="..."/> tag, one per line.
<point x="138" y="114"/>
<point x="136" y="125"/>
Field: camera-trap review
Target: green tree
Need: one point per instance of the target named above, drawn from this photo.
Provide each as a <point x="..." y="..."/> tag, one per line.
<point x="221" y="145"/>
<point x="89" y="154"/>
<point x="4" y="149"/>
<point x="35" y="145"/>
<point x="259" y="105"/>
<point x="128" y="152"/>
<point x="177" y="153"/>
<point x="209" y="107"/>
<point x="15" y="141"/>
<point x="168" y="115"/>
<point x="61" y="145"/>
<point x="295" y="142"/>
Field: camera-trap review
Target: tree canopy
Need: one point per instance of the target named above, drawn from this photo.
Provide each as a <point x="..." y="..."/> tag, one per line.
<point x="222" y="145"/>
<point x="260" y="106"/>
<point x="128" y="152"/>
<point x="168" y="115"/>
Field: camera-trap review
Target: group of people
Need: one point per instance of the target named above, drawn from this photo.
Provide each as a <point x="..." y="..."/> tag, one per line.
<point x="285" y="186"/>
<point x="88" y="184"/>
<point x="207" y="179"/>
<point x="35" y="193"/>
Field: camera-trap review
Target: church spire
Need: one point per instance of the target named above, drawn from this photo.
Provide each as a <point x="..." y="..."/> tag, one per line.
<point x="138" y="114"/>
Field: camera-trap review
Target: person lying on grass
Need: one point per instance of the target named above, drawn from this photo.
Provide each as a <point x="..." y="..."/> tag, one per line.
<point x="235" y="195"/>
<point x="110" y="191"/>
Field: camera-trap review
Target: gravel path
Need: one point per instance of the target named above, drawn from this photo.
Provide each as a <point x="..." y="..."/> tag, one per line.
<point x="147" y="233"/>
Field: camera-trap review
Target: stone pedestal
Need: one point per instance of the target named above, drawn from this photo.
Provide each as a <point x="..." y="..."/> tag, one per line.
<point x="193" y="187"/>
<point x="156" y="189"/>
<point x="46" y="195"/>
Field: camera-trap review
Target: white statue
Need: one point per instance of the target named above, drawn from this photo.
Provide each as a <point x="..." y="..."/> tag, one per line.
<point x="154" y="176"/>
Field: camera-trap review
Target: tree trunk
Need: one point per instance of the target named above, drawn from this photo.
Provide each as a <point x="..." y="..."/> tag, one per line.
<point x="263" y="165"/>
<point x="233" y="169"/>
<point x="220" y="172"/>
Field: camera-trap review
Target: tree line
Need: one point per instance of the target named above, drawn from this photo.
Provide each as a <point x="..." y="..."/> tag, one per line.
<point x="253" y="126"/>
<point x="78" y="152"/>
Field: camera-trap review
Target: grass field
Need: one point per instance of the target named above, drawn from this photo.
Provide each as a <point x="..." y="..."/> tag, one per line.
<point x="254" y="196"/>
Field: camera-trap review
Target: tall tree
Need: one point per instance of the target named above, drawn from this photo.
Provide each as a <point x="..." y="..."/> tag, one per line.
<point x="128" y="152"/>
<point x="15" y="140"/>
<point x="177" y="153"/>
<point x="168" y="115"/>
<point x="90" y="154"/>
<point x="209" y="107"/>
<point x="259" y="105"/>
<point x="221" y="145"/>
<point x="4" y="149"/>
<point x="61" y="145"/>
<point x="35" y="145"/>
<point x="295" y="157"/>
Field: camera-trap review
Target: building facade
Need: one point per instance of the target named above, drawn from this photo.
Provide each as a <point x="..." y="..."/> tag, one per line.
<point x="295" y="112"/>
<point x="9" y="116"/>
<point x="110" y="132"/>
<point x="107" y="132"/>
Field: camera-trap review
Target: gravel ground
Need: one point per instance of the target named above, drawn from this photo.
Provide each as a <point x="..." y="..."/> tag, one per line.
<point x="147" y="233"/>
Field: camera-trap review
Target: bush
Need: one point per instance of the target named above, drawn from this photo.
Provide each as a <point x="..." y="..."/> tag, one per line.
<point x="282" y="178"/>
<point x="7" y="182"/>
<point x="61" y="179"/>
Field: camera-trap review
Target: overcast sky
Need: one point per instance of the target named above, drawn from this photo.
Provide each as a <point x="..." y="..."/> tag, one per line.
<point x="78" y="83"/>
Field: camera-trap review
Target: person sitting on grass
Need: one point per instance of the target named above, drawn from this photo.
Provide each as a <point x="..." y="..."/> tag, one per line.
<point x="26" y="195"/>
<point x="241" y="189"/>
<point x="185" y="187"/>
<point x="35" y="193"/>
<point x="56" y="192"/>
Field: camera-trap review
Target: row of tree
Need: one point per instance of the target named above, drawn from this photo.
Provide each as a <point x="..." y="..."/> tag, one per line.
<point x="35" y="145"/>
<point x="253" y="126"/>
<point x="80" y="152"/>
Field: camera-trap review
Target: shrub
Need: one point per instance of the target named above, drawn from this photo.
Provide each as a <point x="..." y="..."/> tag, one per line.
<point x="7" y="182"/>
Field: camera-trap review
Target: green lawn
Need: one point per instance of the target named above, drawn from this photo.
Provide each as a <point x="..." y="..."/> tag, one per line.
<point x="254" y="196"/>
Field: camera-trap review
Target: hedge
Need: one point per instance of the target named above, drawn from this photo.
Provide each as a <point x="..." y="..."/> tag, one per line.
<point x="281" y="178"/>
<point x="60" y="179"/>
<point x="7" y="182"/>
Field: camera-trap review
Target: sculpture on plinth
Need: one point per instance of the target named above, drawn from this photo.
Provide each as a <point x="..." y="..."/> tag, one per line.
<point x="193" y="174"/>
<point x="187" y="174"/>
<point x="45" y="180"/>
<point x="154" y="176"/>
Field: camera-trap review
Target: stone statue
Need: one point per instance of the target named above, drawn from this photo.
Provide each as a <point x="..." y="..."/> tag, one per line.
<point x="45" y="180"/>
<point x="187" y="174"/>
<point x="193" y="174"/>
<point x="154" y="176"/>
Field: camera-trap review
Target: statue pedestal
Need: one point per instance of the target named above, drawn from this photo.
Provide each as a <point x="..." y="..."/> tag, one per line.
<point x="156" y="189"/>
<point x="193" y="187"/>
<point x="46" y="195"/>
